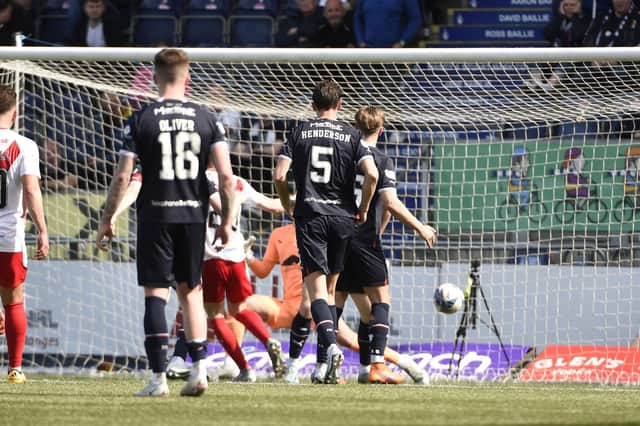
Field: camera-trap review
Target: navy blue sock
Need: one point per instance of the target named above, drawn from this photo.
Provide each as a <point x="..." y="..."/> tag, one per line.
<point x="180" y="349"/>
<point x="363" y="342"/>
<point x="298" y="335"/>
<point x="334" y="315"/>
<point x="156" y="333"/>
<point x="324" y="327"/>
<point x="197" y="350"/>
<point x="338" y="315"/>
<point x="379" y="330"/>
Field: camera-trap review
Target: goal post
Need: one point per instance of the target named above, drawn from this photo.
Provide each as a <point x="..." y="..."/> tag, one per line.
<point x="527" y="160"/>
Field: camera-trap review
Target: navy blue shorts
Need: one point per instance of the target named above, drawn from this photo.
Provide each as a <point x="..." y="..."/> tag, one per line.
<point x="170" y="253"/>
<point x="323" y="242"/>
<point x="364" y="267"/>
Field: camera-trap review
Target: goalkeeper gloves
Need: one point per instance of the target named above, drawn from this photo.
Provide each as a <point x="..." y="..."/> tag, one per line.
<point x="248" y="243"/>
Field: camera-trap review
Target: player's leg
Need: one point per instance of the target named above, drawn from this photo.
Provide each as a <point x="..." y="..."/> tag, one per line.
<point x="12" y="275"/>
<point x="214" y="275"/>
<point x="237" y="296"/>
<point x="229" y="369"/>
<point x="379" y="331"/>
<point x="298" y="334"/>
<point x="177" y="368"/>
<point x="188" y="253"/>
<point x="341" y="230"/>
<point x="155" y="274"/>
<point x="265" y="306"/>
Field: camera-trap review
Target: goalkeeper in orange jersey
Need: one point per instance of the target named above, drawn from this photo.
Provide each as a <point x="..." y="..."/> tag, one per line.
<point x="293" y="311"/>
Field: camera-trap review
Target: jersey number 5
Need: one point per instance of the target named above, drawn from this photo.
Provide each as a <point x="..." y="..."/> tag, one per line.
<point x="185" y="164"/>
<point x="322" y="172"/>
<point x="3" y="188"/>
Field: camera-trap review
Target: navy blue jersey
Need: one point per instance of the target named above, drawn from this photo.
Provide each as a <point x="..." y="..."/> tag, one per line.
<point x="370" y="230"/>
<point x="325" y="154"/>
<point x="172" y="140"/>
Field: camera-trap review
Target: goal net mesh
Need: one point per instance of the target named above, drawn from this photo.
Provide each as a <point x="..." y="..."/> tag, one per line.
<point x="531" y="168"/>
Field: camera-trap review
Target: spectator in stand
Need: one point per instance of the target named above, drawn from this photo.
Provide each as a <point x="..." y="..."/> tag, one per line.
<point x="301" y="29"/>
<point x="619" y="26"/>
<point x="568" y="27"/>
<point x="99" y="27"/>
<point x="55" y="173"/>
<point x="387" y="23"/>
<point x="336" y="31"/>
<point x="13" y="18"/>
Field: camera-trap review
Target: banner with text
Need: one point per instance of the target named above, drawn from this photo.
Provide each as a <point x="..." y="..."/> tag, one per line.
<point x="591" y="364"/>
<point x="480" y="361"/>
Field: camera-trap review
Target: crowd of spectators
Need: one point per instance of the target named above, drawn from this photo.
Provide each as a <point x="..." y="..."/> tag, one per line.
<point x="297" y="23"/>
<point x="619" y="25"/>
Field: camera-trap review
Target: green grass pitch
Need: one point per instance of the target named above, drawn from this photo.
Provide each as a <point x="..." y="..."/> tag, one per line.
<point x="64" y="400"/>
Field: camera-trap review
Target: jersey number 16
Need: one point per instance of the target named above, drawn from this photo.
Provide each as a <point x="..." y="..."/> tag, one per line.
<point x="185" y="163"/>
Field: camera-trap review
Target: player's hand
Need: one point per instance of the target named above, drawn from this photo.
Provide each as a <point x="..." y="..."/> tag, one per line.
<point x="361" y="217"/>
<point x="223" y="234"/>
<point x="248" y="243"/>
<point x="106" y="232"/>
<point x="42" y="245"/>
<point x="429" y="234"/>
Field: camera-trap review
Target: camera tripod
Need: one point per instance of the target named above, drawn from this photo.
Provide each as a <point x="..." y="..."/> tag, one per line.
<point x="470" y="318"/>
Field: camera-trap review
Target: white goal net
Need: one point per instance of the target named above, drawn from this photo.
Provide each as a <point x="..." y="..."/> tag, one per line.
<point x="527" y="160"/>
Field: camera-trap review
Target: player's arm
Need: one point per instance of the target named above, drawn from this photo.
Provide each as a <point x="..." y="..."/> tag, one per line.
<point x="220" y="153"/>
<point x="33" y="202"/>
<point x="370" y="172"/>
<point x="263" y="267"/>
<point x="386" y="217"/>
<point x="257" y="199"/>
<point x="130" y="197"/>
<point x="117" y="190"/>
<point x="280" y="181"/>
<point x="392" y="203"/>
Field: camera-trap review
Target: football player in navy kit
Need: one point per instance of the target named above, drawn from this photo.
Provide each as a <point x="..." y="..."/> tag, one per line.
<point x="172" y="139"/>
<point x="325" y="155"/>
<point x="365" y="275"/>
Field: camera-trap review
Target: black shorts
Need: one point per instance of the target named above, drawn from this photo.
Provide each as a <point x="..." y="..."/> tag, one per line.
<point x="323" y="242"/>
<point x="365" y="267"/>
<point x="170" y="253"/>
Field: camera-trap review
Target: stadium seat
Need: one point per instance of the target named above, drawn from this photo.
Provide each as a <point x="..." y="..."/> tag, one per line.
<point x="203" y="31"/>
<point x="256" y="7"/>
<point x="251" y="31"/>
<point x="159" y="7"/>
<point x="153" y="30"/>
<point x="55" y="7"/>
<point x="208" y="7"/>
<point x="52" y="28"/>
<point x="291" y="7"/>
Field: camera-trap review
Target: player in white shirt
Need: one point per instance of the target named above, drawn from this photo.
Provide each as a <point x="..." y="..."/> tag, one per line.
<point x="19" y="182"/>
<point x="224" y="276"/>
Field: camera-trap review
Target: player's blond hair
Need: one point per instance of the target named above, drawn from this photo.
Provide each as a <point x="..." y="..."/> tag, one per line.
<point x="171" y="64"/>
<point x="7" y="99"/>
<point x="369" y="119"/>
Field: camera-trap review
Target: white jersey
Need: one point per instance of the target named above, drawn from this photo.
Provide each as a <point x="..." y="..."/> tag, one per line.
<point x="18" y="157"/>
<point x="234" y="250"/>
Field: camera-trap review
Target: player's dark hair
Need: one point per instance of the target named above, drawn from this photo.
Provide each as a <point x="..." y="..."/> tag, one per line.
<point x="326" y="95"/>
<point x="7" y="98"/>
<point x="369" y="119"/>
<point x="170" y="63"/>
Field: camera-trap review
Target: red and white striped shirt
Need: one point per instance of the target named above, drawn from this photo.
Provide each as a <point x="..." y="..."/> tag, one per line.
<point x="18" y="157"/>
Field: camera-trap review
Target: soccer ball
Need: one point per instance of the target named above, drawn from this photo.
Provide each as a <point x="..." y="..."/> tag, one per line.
<point x="448" y="298"/>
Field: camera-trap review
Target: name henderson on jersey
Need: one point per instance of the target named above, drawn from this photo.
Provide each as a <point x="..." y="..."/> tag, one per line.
<point x="326" y="133"/>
